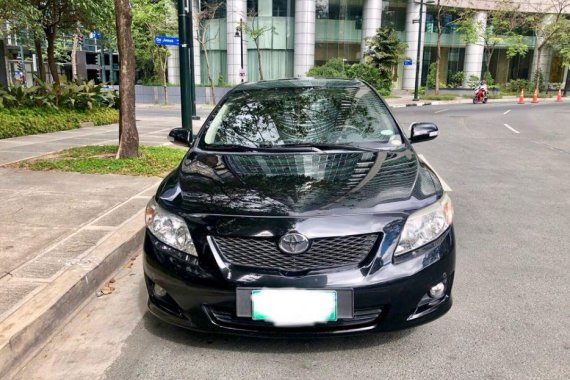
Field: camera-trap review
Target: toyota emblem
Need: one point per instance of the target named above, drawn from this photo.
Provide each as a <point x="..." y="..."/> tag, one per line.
<point x="294" y="243"/>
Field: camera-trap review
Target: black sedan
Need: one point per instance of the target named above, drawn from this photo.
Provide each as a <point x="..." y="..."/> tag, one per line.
<point x="300" y="208"/>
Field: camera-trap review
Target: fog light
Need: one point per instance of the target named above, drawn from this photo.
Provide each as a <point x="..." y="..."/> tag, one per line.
<point x="159" y="291"/>
<point x="437" y="291"/>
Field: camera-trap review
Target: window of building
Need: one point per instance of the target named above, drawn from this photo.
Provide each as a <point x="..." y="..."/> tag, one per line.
<point x="394" y="14"/>
<point x="211" y="4"/>
<point x="283" y="8"/>
<point x="252" y="7"/>
<point x="339" y="9"/>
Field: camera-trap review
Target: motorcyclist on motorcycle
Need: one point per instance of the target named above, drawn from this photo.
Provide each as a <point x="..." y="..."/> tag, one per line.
<point x="481" y="92"/>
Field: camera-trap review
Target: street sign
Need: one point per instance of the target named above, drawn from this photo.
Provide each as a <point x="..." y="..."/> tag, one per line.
<point x="408" y="62"/>
<point x="242" y="73"/>
<point x="166" y="40"/>
<point x="95" y="35"/>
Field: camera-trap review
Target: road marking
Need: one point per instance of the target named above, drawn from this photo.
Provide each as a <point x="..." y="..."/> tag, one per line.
<point x="506" y="112"/>
<point x="444" y="184"/>
<point x="512" y="129"/>
<point x="440" y="111"/>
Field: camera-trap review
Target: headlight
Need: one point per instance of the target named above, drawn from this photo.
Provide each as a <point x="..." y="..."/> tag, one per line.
<point x="425" y="225"/>
<point x="169" y="228"/>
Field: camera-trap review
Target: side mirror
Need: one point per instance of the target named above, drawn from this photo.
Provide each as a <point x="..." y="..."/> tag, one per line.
<point x="180" y="136"/>
<point x="423" y="132"/>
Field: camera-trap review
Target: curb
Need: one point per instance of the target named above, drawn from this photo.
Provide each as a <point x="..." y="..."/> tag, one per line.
<point x="31" y="326"/>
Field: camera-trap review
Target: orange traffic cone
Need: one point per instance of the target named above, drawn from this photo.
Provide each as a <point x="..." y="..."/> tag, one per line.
<point x="521" y="97"/>
<point x="535" y="97"/>
<point x="559" y="96"/>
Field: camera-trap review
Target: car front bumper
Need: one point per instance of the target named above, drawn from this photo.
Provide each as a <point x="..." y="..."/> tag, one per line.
<point x="200" y="298"/>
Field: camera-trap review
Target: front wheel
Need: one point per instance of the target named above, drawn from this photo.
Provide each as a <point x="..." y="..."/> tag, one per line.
<point x="475" y="100"/>
<point x="484" y="100"/>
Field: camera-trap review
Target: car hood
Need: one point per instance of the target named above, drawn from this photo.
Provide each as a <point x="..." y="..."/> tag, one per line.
<point x="298" y="184"/>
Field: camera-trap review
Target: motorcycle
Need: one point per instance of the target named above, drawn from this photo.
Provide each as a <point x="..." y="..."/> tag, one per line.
<point x="480" y="96"/>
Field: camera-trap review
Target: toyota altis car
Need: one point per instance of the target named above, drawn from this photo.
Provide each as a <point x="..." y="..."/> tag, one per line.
<point x="300" y="208"/>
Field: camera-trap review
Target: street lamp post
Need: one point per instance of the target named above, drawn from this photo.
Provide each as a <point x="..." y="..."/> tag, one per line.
<point x="239" y="34"/>
<point x="186" y="49"/>
<point x="418" y="56"/>
<point x="567" y="82"/>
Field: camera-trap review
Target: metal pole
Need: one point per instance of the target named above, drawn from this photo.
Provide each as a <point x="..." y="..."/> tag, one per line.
<point x="185" y="70"/>
<point x="418" y="57"/>
<point x="241" y="46"/>
<point x="190" y="39"/>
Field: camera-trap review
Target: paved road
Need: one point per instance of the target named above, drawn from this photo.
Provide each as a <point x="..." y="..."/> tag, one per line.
<point x="509" y="168"/>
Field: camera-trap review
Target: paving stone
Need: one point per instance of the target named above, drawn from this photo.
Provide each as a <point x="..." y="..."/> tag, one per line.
<point x="122" y="213"/>
<point x="13" y="291"/>
<point x="41" y="268"/>
<point x="76" y="245"/>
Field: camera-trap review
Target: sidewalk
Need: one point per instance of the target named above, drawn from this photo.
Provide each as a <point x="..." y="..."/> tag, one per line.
<point x="63" y="234"/>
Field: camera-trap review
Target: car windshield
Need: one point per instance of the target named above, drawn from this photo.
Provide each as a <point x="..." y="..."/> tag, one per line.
<point x="317" y="115"/>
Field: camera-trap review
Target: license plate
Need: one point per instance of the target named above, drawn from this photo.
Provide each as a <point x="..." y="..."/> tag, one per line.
<point x="294" y="307"/>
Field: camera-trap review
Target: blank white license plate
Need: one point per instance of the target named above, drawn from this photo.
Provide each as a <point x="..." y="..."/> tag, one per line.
<point x="294" y="307"/>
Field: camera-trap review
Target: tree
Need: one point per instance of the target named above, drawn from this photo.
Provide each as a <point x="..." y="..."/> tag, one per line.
<point x="504" y="25"/>
<point x="255" y="32"/>
<point x="203" y="20"/>
<point x="385" y="51"/>
<point x="128" y="134"/>
<point x="149" y="20"/>
<point x="550" y="30"/>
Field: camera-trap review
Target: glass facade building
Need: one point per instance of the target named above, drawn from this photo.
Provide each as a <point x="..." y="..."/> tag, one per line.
<point x="300" y="34"/>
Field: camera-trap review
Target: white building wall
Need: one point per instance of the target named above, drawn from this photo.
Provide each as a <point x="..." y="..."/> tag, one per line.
<point x="412" y="29"/>
<point x="236" y="10"/>
<point x="305" y="14"/>
<point x="474" y="52"/>
<point x="372" y="20"/>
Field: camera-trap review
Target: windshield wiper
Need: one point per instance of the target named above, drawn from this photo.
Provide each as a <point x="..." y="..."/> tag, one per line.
<point x="325" y="147"/>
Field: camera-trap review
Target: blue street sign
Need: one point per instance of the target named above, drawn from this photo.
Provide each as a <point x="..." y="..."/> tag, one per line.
<point x="166" y="40"/>
<point x="408" y="62"/>
<point x="95" y="35"/>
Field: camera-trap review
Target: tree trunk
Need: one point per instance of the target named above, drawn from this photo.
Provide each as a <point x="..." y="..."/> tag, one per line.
<point x="128" y="134"/>
<point x="163" y="68"/>
<point x="74" y="57"/>
<point x="40" y="59"/>
<point x="438" y="49"/>
<point x="209" y="72"/>
<point x="259" y="60"/>
<point x="50" y="36"/>
<point x="537" y="69"/>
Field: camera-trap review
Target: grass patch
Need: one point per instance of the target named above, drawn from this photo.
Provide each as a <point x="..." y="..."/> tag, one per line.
<point x="16" y="122"/>
<point x="152" y="161"/>
<point x="438" y="97"/>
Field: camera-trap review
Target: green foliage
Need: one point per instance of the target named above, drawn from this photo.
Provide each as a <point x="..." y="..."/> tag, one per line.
<point x="456" y="79"/>
<point x="335" y="68"/>
<point x="384" y="52"/>
<point x="439" y="97"/>
<point x="473" y="81"/>
<point x="516" y="85"/>
<point x="152" y="161"/>
<point x="30" y="121"/>
<point x="488" y="77"/>
<point x="151" y="19"/>
<point x="76" y="96"/>
<point x="537" y="76"/>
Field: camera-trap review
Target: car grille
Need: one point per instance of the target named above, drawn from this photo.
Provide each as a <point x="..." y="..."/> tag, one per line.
<point x="324" y="253"/>
<point x="224" y="314"/>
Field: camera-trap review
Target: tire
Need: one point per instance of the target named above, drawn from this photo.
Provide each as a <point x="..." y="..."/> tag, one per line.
<point x="474" y="100"/>
<point x="484" y="100"/>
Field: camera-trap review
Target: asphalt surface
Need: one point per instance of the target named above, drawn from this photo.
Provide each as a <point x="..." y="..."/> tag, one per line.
<point x="511" y="315"/>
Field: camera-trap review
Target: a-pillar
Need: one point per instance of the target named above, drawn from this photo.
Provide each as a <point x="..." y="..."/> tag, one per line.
<point x="372" y="20"/>
<point x="236" y="10"/>
<point x="412" y="29"/>
<point x="474" y="52"/>
<point x="304" y="37"/>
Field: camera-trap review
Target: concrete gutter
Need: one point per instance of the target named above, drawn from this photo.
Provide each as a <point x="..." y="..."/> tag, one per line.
<point x="24" y="332"/>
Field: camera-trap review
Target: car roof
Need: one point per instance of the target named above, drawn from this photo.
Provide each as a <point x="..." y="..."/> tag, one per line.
<point x="299" y="83"/>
